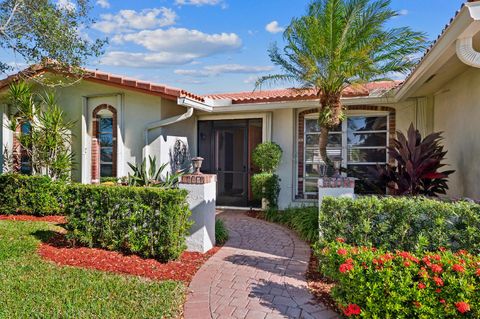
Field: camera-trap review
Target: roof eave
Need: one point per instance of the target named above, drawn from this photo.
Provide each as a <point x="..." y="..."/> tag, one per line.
<point x="441" y="51"/>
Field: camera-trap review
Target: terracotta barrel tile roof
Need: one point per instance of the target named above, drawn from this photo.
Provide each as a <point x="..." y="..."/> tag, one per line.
<point x="281" y="95"/>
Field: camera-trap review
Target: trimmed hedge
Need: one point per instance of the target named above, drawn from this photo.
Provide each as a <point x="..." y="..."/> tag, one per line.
<point x="147" y="221"/>
<point x="31" y="195"/>
<point x="303" y="220"/>
<point x="413" y="224"/>
<point x="375" y="283"/>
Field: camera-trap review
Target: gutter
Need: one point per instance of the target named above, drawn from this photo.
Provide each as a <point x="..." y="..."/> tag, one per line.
<point x="190" y="104"/>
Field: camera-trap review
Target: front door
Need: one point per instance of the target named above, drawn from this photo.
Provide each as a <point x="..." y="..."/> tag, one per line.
<point x="226" y="147"/>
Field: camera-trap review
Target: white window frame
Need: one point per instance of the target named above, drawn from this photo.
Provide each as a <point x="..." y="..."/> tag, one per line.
<point x="344" y="148"/>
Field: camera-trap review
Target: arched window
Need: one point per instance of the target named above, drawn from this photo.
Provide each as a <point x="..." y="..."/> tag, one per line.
<point x="104" y="143"/>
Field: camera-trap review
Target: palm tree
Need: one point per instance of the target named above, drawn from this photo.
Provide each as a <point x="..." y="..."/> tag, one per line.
<point x="341" y="43"/>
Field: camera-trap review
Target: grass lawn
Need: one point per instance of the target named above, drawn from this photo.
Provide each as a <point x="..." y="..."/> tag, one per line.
<point x="33" y="288"/>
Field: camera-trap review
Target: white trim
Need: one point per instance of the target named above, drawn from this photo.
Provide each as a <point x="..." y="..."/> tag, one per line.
<point x="85" y="156"/>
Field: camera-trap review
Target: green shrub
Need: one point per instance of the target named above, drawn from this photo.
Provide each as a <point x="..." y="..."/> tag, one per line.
<point x="267" y="156"/>
<point x="266" y="185"/>
<point x="221" y="232"/>
<point x="413" y="224"/>
<point x="381" y="284"/>
<point x="31" y="195"/>
<point x="303" y="220"/>
<point x="150" y="222"/>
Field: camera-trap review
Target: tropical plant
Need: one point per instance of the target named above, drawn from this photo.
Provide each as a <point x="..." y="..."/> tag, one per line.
<point x="221" y="232"/>
<point x="341" y="43"/>
<point x="151" y="176"/>
<point x="267" y="156"/>
<point x="418" y="162"/>
<point x="48" y="141"/>
<point x="266" y="184"/>
<point x="42" y="31"/>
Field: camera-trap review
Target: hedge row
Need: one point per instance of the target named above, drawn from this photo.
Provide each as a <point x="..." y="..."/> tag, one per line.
<point x="151" y="222"/>
<point x="303" y="220"/>
<point x="375" y="283"/>
<point x="413" y="224"/>
<point x="31" y="195"/>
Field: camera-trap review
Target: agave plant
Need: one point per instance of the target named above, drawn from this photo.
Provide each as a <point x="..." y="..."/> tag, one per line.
<point x="418" y="162"/>
<point x="152" y="176"/>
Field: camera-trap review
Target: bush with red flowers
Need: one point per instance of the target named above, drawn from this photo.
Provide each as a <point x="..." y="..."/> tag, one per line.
<point x="375" y="283"/>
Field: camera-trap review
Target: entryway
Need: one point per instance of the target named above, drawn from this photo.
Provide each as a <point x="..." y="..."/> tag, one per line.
<point x="226" y="146"/>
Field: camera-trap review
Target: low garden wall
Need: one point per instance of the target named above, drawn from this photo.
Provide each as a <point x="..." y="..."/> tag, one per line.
<point x="148" y="221"/>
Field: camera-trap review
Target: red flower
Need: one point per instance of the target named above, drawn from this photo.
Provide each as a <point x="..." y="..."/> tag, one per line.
<point x="442" y="248"/>
<point x="417" y="304"/>
<point x="436" y="268"/>
<point x="442" y="300"/>
<point x="342" y="251"/>
<point x="352" y="310"/>
<point x="421" y="285"/>
<point x="349" y="261"/>
<point x="406" y="264"/>
<point x="478" y="272"/>
<point x="438" y="290"/>
<point x="458" y="268"/>
<point x="345" y="267"/>
<point x="462" y="306"/>
<point x="437" y="257"/>
<point x="438" y="281"/>
<point x="340" y="240"/>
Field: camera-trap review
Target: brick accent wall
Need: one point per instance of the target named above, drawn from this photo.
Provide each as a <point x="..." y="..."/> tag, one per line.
<point x="95" y="165"/>
<point x="301" y="137"/>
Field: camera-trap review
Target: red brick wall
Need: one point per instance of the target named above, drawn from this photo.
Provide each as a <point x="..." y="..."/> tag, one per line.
<point x="301" y="129"/>
<point x="95" y="165"/>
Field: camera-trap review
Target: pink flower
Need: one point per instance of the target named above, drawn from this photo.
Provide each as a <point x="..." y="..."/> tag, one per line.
<point x="458" y="268"/>
<point x="462" y="306"/>
<point x="352" y="310"/>
<point x="342" y="252"/>
<point x="345" y="267"/>
<point x="438" y="281"/>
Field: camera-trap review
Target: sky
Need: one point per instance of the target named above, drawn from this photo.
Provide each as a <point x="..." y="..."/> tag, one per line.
<point x="212" y="46"/>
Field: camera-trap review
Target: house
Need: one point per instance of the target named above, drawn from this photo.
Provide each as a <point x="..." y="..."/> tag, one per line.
<point x="121" y="120"/>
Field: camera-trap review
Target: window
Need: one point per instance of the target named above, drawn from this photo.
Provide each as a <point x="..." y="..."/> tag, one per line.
<point x="25" y="160"/>
<point x="361" y="141"/>
<point x="105" y="138"/>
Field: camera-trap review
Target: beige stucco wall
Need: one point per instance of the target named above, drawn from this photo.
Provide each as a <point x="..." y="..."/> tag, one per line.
<point x="457" y="114"/>
<point x="135" y="111"/>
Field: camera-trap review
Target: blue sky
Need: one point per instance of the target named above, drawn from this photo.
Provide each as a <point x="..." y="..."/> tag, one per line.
<point x="208" y="46"/>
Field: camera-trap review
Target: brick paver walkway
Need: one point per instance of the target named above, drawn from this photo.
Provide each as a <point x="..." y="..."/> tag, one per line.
<point x="259" y="273"/>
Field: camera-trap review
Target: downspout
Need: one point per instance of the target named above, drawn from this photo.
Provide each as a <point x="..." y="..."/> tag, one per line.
<point x="466" y="53"/>
<point x="162" y="123"/>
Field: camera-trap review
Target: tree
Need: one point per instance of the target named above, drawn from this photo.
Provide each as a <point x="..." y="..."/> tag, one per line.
<point x="341" y="43"/>
<point x="48" y="141"/>
<point x="41" y="30"/>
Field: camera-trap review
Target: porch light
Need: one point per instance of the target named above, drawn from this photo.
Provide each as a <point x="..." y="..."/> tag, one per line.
<point x="197" y="164"/>
<point x="337" y="162"/>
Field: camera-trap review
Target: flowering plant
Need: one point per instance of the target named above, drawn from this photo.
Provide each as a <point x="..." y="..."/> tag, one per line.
<point x="375" y="283"/>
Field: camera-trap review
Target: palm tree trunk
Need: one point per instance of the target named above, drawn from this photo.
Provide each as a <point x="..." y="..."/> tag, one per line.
<point x="331" y="115"/>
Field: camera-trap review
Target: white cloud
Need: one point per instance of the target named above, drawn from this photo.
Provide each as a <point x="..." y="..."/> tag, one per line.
<point x="274" y="27"/>
<point x="250" y="79"/>
<point x="103" y="3"/>
<point x="214" y="70"/>
<point x="130" y="20"/>
<point x="183" y="40"/>
<point x="198" y="3"/>
<point x="146" y="60"/>
<point x="66" y="5"/>
<point x="403" y="12"/>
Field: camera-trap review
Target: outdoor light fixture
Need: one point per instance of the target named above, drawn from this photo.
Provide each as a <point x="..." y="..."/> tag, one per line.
<point x="197" y="164"/>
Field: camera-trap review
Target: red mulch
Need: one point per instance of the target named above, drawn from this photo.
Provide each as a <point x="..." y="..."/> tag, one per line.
<point x="59" y="250"/>
<point x="25" y="218"/>
<point x="319" y="285"/>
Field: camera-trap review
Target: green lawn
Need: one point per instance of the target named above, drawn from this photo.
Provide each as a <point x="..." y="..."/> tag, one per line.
<point x="33" y="288"/>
